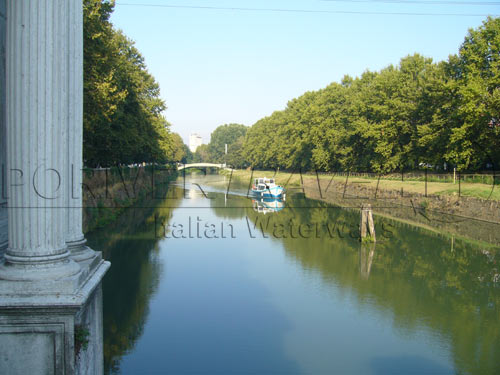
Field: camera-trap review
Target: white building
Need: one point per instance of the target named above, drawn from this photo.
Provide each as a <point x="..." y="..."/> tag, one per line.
<point x="195" y="140"/>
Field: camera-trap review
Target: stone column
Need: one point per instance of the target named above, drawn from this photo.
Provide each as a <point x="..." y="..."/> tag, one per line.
<point x="3" y="144"/>
<point x="74" y="236"/>
<point x="37" y="112"/>
<point x="45" y="296"/>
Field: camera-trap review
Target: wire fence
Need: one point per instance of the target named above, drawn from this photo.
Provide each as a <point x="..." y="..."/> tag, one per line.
<point x="487" y="178"/>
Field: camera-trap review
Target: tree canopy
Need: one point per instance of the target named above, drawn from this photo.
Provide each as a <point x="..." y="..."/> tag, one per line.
<point x="230" y="134"/>
<point x="123" y="112"/>
<point x="416" y="113"/>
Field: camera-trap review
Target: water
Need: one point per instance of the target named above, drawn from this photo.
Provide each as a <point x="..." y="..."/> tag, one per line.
<point x="275" y="301"/>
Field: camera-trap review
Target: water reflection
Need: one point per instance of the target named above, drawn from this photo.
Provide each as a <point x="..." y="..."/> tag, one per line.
<point x="418" y="280"/>
<point x="132" y="245"/>
<point x="414" y="274"/>
<point x="426" y="280"/>
<point x="268" y="205"/>
<point x="366" y="254"/>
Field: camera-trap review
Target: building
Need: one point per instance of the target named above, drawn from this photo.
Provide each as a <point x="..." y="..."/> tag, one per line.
<point x="195" y="140"/>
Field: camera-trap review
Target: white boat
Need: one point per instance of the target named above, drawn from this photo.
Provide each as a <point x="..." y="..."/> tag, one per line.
<point x="267" y="188"/>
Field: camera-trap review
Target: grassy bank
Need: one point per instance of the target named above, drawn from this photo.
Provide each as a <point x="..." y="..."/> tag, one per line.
<point x="441" y="211"/>
<point x="412" y="185"/>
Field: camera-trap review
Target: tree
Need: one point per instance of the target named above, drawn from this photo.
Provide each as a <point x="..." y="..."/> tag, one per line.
<point x="222" y="135"/>
<point x="201" y="154"/>
<point x="235" y="156"/>
<point x="476" y="137"/>
<point x="395" y="119"/>
<point x="123" y="121"/>
<point x="179" y="153"/>
<point x="101" y="93"/>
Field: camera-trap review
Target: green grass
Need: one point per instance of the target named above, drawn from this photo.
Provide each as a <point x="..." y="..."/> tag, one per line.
<point x="476" y="190"/>
<point x="467" y="189"/>
<point x="367" y="239"/>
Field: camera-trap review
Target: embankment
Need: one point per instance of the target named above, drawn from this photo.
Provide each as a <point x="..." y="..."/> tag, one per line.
<point x="472" y="218"/>
<point x="108" y="192"/>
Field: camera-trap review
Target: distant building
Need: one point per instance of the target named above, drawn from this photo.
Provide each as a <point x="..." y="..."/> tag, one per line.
<point x="195" y="140"/>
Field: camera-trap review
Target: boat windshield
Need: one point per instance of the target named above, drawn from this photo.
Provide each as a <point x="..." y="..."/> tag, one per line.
<point x="264" y="181"/>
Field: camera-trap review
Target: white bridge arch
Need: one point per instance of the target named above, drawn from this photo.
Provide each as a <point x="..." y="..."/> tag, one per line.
<point x="201" y="165"/>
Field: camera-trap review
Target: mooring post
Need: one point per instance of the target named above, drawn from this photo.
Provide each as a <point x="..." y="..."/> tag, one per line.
<point x="367" y="221"/>
<point x="426" y="182"/>
<point x="363" y="222"/>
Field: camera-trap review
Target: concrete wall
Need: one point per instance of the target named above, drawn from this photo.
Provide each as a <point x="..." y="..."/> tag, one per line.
<point x="3" y="145"/>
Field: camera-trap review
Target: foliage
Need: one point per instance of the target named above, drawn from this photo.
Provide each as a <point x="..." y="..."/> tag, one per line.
<point x="202" y="154"/>
<point x="476" y="73"/>
<point x="416" y="113"/>
<point x="123" y="121"/>
<point x="180" y="150"/>
<point x="230" y="134"/>
<point x="81" y="337"/>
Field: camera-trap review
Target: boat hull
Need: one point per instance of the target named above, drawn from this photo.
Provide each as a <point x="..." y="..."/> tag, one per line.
<point x="273" y="192"/>
<point x="268" y="205"/>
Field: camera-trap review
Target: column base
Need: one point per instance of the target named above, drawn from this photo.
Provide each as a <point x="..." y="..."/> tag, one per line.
<point x="3" y="247"/>
<point x="63" y="277"/>
<point x="37" y="331"/>
<point x="3" y="229"/>
<point x="43" y="271"/>
<point x="79" y="251"/>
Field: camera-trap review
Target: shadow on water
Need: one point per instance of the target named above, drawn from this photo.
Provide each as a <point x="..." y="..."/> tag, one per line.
<point x="130" y="244"/>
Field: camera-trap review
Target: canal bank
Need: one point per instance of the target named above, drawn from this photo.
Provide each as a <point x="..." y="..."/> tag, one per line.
<point x="467" y="217"/>
<point x="108" y="192"/>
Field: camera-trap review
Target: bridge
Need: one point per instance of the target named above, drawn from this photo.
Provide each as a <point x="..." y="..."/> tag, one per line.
<point x="201" y="165"/>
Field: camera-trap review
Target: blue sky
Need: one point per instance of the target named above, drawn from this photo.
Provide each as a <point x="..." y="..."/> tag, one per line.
<point x="223" y="66"/>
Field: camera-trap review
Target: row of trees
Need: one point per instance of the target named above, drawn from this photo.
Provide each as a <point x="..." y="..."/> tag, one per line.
<point x="418" y="112"/>
<point x="123" y="120"/>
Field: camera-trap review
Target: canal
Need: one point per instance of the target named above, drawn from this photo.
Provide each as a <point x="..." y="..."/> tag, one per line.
<point x="204" y="282"/>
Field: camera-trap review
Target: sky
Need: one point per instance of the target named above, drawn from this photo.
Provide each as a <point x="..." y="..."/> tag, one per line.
<point x="220" y="66"/>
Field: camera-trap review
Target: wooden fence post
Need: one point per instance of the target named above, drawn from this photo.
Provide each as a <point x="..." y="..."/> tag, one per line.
<point x="367" y="222"/>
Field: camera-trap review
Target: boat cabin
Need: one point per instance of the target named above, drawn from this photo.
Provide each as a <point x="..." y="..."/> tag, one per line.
<point x="264" y="181"/>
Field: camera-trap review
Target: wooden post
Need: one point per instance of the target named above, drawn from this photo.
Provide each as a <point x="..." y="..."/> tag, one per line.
<point x="363" y="222"/>
<point x="402" y="180"/>
<point x="345" y="186"/>
<point x="459" y="186"/>
<point x="426" y="182"/>
<point x="367" y="221"/>
<point x="376" y="190"/>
